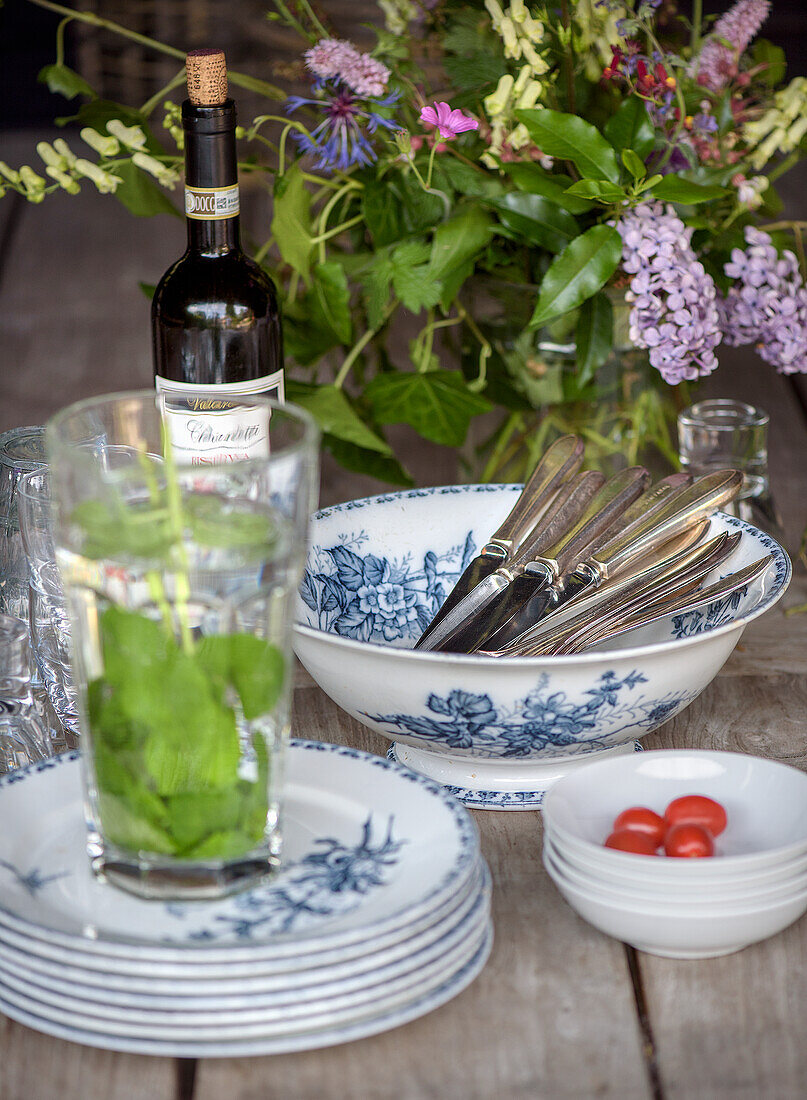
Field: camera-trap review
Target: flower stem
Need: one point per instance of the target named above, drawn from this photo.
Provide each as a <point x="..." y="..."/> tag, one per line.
<point x="697" y="24"/>
<point x="359" y="347"/>
<point x="337" y="229"/>
<point x="485" y="350"/>
<point x="174" y="82"/>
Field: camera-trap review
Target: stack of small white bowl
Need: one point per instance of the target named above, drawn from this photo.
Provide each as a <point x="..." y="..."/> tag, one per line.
<point x="754" y="886"/>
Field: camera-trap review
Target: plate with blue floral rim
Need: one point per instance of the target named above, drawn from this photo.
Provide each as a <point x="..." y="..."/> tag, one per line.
<point x="85" y="975"/>
<point x="370" y="847"/>
<point x="19" y="1008"/>
<point x="188" y="1020"/>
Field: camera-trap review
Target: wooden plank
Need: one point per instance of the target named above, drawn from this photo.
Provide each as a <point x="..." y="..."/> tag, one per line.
<point x="552" y="1014"/>
<point x="734" y="1026"/>
<point x="37" y="1067"/>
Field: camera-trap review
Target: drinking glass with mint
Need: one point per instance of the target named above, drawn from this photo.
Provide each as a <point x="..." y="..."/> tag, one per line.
<point x="180" y="534"/>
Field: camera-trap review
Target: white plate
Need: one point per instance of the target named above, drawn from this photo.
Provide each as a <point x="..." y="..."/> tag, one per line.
<point x="20" y="1009"/>
<point x="370" y="847"/>
<point x="180" y="995"/>
<point x="434" y="966"/>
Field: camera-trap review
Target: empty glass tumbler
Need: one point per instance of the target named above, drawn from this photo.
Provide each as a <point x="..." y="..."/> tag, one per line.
<point x="181" y="571"/>
<point x="47" y="609"/>
<point x="722" y="433"/>
<point x="23" y="738"/>
<point x="21" y="450"/>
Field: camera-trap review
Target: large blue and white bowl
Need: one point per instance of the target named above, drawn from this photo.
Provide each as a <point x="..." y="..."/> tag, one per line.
<point x="497" y="731"/>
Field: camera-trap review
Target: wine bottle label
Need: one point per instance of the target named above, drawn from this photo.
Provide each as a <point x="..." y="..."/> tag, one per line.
<point x="212" y="203"/>
<point x="211" y="425"/>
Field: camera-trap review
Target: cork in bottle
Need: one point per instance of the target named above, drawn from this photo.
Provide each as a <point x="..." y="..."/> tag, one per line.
<point x="207" y="77"/>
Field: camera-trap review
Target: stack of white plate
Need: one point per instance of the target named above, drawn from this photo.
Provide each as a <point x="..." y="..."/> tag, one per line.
<point x="753" y="887"/>
<point x="380" y="914"/>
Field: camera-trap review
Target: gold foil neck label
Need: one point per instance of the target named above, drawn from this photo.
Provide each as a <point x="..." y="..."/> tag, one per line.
<point x="212" y="203"/>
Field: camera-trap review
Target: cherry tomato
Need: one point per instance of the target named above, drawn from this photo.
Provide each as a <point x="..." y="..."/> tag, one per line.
<point x="696" y="809"/>
<point x="629" y="840"/>
<point x="642" y="820"/>
<point x="688" y="840"/>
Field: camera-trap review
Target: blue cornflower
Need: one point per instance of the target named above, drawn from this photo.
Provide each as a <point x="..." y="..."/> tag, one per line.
<point x="341" y="139"/>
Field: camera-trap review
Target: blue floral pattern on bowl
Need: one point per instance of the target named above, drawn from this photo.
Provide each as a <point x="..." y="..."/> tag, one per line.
<point x="544" y="721"/>
<point x="373" y="599"/>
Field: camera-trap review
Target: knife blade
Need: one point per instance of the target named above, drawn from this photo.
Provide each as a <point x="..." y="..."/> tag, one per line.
<point x="694" y="561"/>
<point x="564" y="511"/>
<point x="679" y="511"/>
<point x="607" y="504"/>
<point x="558" y="464"/>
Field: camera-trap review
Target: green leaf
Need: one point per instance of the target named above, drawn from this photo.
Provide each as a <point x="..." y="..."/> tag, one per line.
<point x="571" y="138"/>
<point x="254" y="667"/>
<point x="537" y="220"/>
<point x="533" y="178"/>
<point x="634" y="164"/>
<point x="333" y="412"/>
<point x="675" y="189"/>
<point x="600" y="190"/>
<point x="333" y="297"/>
<point x="459" y="239"/>
<point x="253" y="84"/>
<point x="772" y="57"/>
<point x="64" y="81"/>
<point x="412" y="277"/>
<point x="376" y="287"/>
<point x="469" y="180"/>
<point x="397" y="207"/>
<point x="649" y="184"/>
<point x="594" y="336"/>
<point x="631" y="128"/>
<point x="291" y="220"/>
<point x="386" y="468"/>
<point x="437" y="404"/>
<point x="579" y="271"/>
<point x="140" y="194"/>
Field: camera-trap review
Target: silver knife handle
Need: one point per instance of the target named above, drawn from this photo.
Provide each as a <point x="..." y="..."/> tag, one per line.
<point x="559" y="462"/>
<point x="703" y="497"/>
<point x="605" y="507"/>
<point x="563" y="513"/>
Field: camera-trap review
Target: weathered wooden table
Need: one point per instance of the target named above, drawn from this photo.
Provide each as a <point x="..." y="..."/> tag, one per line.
<point x="560" y="1010"/>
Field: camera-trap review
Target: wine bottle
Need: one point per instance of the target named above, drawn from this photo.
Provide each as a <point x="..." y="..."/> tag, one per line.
<point x="216" y="325"/>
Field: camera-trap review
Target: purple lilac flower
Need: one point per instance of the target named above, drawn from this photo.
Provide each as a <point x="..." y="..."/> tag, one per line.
<point x="718" y="61"/>
<point x="674" y="301"/>
<point x="449" y="123"/>
<point x="768" y="307"/>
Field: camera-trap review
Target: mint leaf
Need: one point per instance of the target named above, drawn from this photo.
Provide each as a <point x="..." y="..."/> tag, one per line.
<point x="579" y="271"/>
<point x="571" y="138"/>
<point x="437" y="404"/>
<point x="254" y="667"/>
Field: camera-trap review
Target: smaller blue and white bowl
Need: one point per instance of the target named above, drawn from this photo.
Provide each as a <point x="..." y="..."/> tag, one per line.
<point x="498" y="731"/>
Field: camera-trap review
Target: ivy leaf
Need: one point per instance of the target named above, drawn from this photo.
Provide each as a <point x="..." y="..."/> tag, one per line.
<point x="333" y="297"/>
<point x="412" y="277"/>
<point x="533" y="178"/>
<point x="675" y="189"/>
<point x="537" y="220"/>
<point x="437" y="404"/>
<point x="571" y="138"/>
<point x="458" y="239"/>
<point x="386" y="468"/>
<point x="398" y="207"/>
<point x="579" y="271"/>
<point x="334" y="413"/>
<point x="594" y="336"/>
<point x="599" y="190"/>
<point x="291" y="220"/>
<point x="630" y="128"/>
<point x="63" y="81"/>
<point x="140" y="194"/>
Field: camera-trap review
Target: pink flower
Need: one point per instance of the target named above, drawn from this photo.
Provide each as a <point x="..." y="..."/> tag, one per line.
<point x="450" y="123"/>
<point x="333" y="58"/>
<point x="731" y="36"/>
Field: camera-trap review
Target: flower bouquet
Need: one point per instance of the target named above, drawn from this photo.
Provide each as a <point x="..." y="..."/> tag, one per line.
<point x="509" y="211"/>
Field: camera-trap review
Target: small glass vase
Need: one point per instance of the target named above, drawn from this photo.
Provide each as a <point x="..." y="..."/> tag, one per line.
<point x="623" y="409"/>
